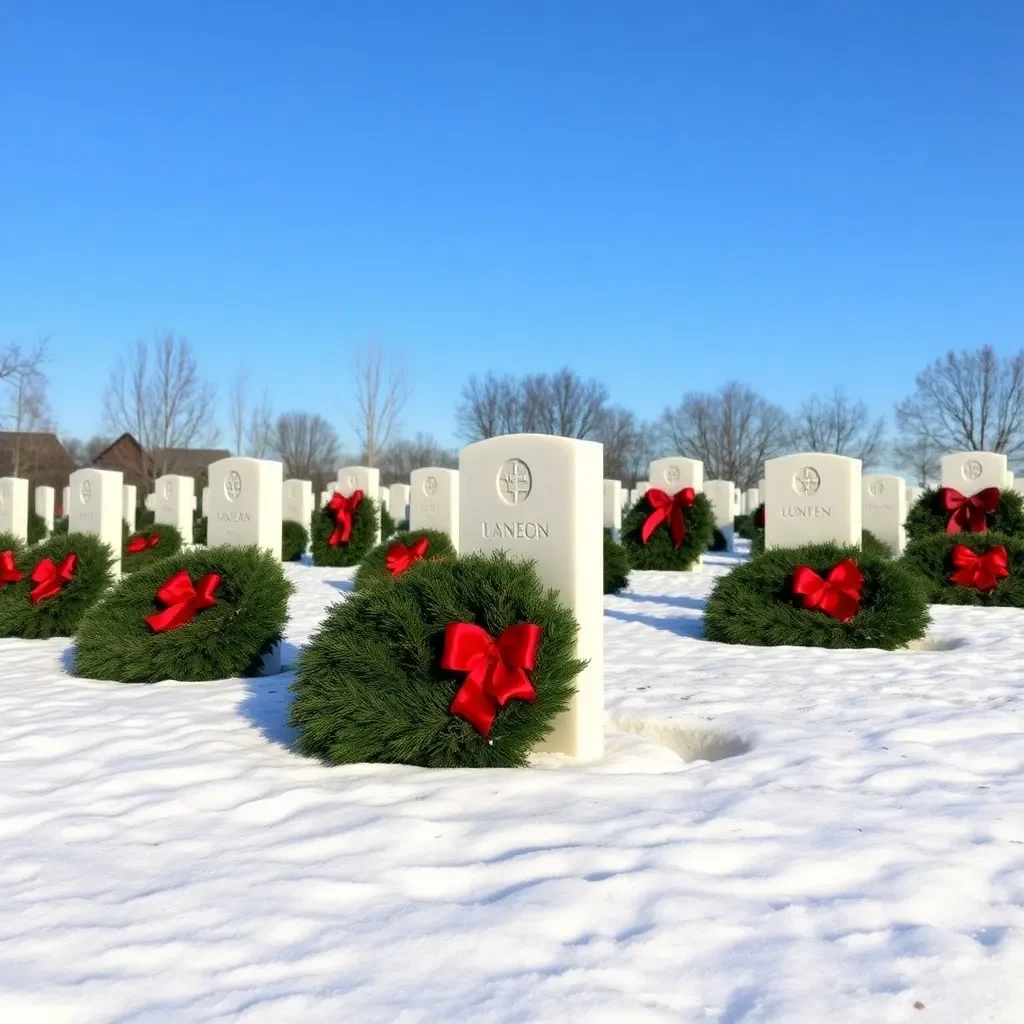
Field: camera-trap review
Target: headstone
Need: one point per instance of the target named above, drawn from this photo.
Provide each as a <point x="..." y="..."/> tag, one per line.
<point x="195" y="503"/>
<point x="297" y="502"/>
<point x="884" y="510"/>
<point x="14" y="506"/>
<point x="1018" y="486"/>
<point x="913" y="493"/>
<point x="970" y="472"/>
<point x="675" y="473"/>
<point x="1008" y="486"/>
<point x="206" y="502"/>
<point x="129" y="498"/>
<point x="95" y="505"/>
<point x="400" y="500"/>
<point x="634" y="496"/>
<point x="753" y="500"/>
<point x="360" y="478"/>
<point x="613" y="508"/>
<point x="174" y="504"/>
<point x="719" y="493"/>
<point x="642" y="486"/>
<point x="434" y="501"/>
<point x="813" y="498"/>
<point x="245" y="504"/>
<point x="65" y="508"/>
<point x="325" y="496"/>
<point x="150" y="503"/>
<point x="761" y="488"/>
<point x="539" y="497"/>
<point x="45" y="502"/>
<point x="385" y="498"/>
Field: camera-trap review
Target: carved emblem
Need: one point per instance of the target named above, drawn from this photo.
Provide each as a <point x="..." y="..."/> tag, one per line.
<point x="430" y="486"/>
<point x="807" y="481"/>
<point x="353" y="482"/>
<point x="85" y="491"/>
<point x="672" y="474"/>
<point x="971" y="469"/>
<point x="876" y="487"/>
<point x="232" y="485"/>
<point x="168" y="489"/>
<point x="515" y="482"/>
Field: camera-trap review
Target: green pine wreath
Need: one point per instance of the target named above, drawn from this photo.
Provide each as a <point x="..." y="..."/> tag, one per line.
<point x="294" y="540"/>
<point x="869" y="544"/>
<point x="387" y="523"/>
<point x="199" y="528"/>
<point x="362" y="540"/>
<point x="60" y="526"/>
<point x="616" y="566"/>
<point x="77" y="585"/>
<point x="370" y="687"/>
<point x="931" y="557"/>
<point x="36" y="527"/>
<point x="926" y="518"/>
<point x="754" y="604"/>
<point x="373" y="568"/>
<point x="160" y="542"/>
<point x="228" y="639"/>
<point x="660" y="552"/>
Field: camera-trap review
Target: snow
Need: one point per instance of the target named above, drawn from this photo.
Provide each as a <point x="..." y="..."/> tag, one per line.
<point x="851" y="844"/>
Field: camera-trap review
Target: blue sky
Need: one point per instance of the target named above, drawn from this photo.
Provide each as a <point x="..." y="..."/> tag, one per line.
<point x="664" y="195"/>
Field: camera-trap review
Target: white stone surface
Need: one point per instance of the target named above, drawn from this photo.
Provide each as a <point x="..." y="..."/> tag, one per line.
<point x="65" y="508"/>
<point x="206" y="502"/>
<point x="675" y="473"/>
<point x="762" y="487"/>
<point x="884" y="509"/>
<point x="913" y="493"/>
<point x="384" y="497"/>
<point x="540" y="497"/>
<point x="14" y="506"/>
<point x="297" y="501"/>
<point x="46" y="501"/>
<point x="753" y="497"/>
<point x="96" y="504"/>
<point x="642" y="487"/>
<point x="150" y="503"/>
<point x="434" y="501"/>
<point x="129" y="505"/>
<point x="360" y="478"/>
<point x="613" y="507"/>
<point x="400" y="500"/>
<point x="970" y="472"/>
<point x="720" y="494"/>
<point x="174" y="503"/>
<point x="245" y="504"/>
<point x="815" y="498"/>
<point x="1008" y="485"/>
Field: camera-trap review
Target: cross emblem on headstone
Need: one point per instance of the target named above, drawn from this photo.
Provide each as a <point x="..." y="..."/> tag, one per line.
<point x="807" y="481"/>
<point x="232" y="485"/>
<point x="516" y="481"/>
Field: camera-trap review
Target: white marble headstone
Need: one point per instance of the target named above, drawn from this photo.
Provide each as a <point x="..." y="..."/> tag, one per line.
<point x="129" y="507"/>
<point x="970" y="472"/>
<point x="245" y="504"/>
<point x="65" y="508"/>
<point x="45" y="504"/>
<point x="913" y="493"/>
<point x="400" y="500"/>
<point x="14" y="506"/>
<point x="360" y="478"/>
<point x="884" y="509"/>
<point x="96" y="504"/>
<point x="814" y="498"/>
<point x="297" y="502"/>
<point x="613" y="508"/>
<point x="720" y="493"/>
<point x="753" y="499"/>
<point x="173" y="504"/>
<point x="384" y="497"/>
<point x="150" y="503"/>
<point x="206" y="502"/>
<point x="675" y="473"/>
<point x="434" y="501"/>
<point x="540" y="497"/>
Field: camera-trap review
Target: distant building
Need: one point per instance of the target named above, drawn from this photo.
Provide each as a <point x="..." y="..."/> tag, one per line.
<point x="141" y="468"/>
<point x="38" y="457"/>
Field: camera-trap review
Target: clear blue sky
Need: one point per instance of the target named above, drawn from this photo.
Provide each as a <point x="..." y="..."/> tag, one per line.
<point x="661" y="194"/>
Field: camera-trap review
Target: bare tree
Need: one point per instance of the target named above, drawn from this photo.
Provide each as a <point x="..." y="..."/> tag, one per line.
<point x="834" y="424"/>
<point x="26" y="410"/>
<point x="308" y="447"/>
<point x="261" y="428"/>
<point x="157" y="395"/>
<point x="732" y="431"/>
<point x="84" y="453"/>
<point x="489" y="407"/>
<point x="971" y="401"/>
<point x="565" y="404"/>
<point x="402" y="457"/>
<point x="629" y="445"/>
<point x="920" y="457"/>
<point x="381" y="391"/>
<point x="238" y="409"/>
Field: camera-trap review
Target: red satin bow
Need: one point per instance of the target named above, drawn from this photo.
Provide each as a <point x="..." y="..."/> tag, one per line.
<point x="183" y="600"/>
<point x="670" y="508"/>
<point x="497" y="669"/>
<point x="983" y="572"/>
<point x="837" y="595"/>
<point x="401" y="557"/>
<point x="142" y="543"/>
<point x="968" y="514"/>
<point x="342" y="509"/>
<point x="8" y="570"/>
<point x="49" y="579"/>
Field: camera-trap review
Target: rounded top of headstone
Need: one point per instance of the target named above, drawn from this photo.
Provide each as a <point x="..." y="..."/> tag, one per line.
<point x="233" y="485"/>
<point x="514" y="481"/>
<point x="806" y="480"/>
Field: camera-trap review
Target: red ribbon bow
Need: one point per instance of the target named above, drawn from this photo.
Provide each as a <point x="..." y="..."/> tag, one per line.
<point x="401" y="557"/>
<point x="49" y="579"/>
<point x="968" y="514"/>
<point x="183" y="600"/>
<point x="342" y="510"/>
<point x="8" y="570"/>
<point x="838" y="595"/>
<point x="983" y="572"/>
<point x="140" y="542"/>
<point x="670" y="508"/>
<point x="497" y="669"/>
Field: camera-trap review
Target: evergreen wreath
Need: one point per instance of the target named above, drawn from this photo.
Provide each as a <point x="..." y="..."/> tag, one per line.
<point x="616" y="566"/>
<point x="362" y="538"/>
<point x="660" y="550"/>
<point x="235" y="616"/>
<point x="36" y="527"/>
<point x="743" y="526"/>
<point x="755" y="604"/>
<point x="926" y="517"/>
<point x="371" y="688"/>
<point x="869" y="545"/>
<point x="149" y="546"/>
<point x="58" y="581"/>
<point x="144" y="517"/>
<point x="60" y="526"/>
<point x="199" y="528"/>
<point x="294" y="541"/>
<point x="400" y="554"/>
<point x="402" y="526"/>
<point x="387" y="523"/>
<point x="950" y="577"/>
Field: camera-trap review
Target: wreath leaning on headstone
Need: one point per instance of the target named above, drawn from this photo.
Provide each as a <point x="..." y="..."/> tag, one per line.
<point x="819" y="595"/>
<point x="344" y="530"/>
<point x="399" y="554"/>
<point x="616" y="565"/>
<point x="46" y="589"/>
<point x="149" y="546"/>
<point x="668" y="531"/>
<point x="946" y="511"/>
<point x="294" y="540"/>
<point x="208" y="613"/>
<point x="970" y="568"/>
<point x="462" y="663"/>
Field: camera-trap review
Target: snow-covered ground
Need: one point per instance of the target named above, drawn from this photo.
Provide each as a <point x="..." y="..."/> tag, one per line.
<point x="854" y="854"/>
